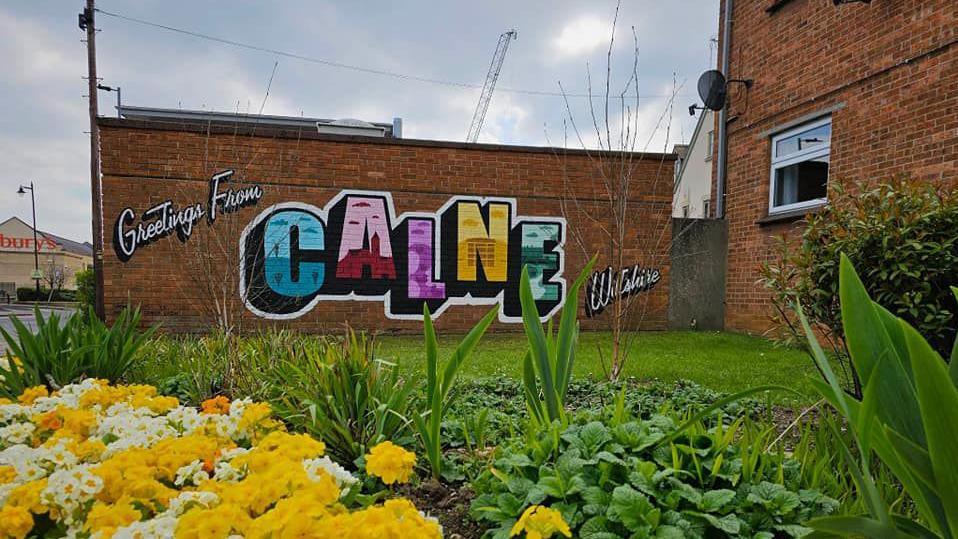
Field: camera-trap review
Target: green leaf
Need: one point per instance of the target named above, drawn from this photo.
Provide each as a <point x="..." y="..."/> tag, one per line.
<point x="872" y="348"/>
<point x="855" y="526"/>
<point x="465" y="348"/>
<point x="596" y="500"/>
<point x="568" y="329"/>
<point x="953" y="367"/>
<point x="914" y="456"/>
<point x="714" y="500"/>
<point x="597" y="528"/>
<point x="632" y="509"/>
<point x="729" y="524"/>
<point x="538" y="345"/>
<point x="938" y="399"/>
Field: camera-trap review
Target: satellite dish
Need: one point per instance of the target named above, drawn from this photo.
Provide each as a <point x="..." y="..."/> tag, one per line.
<point x="712" y="89"/>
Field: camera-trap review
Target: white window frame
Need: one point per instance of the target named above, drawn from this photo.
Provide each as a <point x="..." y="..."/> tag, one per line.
<point x="797" y="157"/>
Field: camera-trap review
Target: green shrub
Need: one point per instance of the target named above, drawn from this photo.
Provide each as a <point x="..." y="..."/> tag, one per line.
<point x="907" y="417"/>
<point x="903" y="236"/>
<point x="336" y="390"/>
<point x="26" y="293"/>
<point x="60" y="352"/>
<point x="86" y="288"/>
<point x="620" y="476"/>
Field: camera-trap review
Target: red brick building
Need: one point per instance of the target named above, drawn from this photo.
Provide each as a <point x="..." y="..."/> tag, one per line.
<point x="854" y="91"/>
<point x="287" y="226"/>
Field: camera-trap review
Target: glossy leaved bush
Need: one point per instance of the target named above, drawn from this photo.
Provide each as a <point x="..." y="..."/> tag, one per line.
<point x="627" y="477"/>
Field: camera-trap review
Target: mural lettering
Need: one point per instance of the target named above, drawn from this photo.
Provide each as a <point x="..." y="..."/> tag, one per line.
<point x="471" y="251"/>
<point x="605" y="287"/>
<point x="166" y="218"/>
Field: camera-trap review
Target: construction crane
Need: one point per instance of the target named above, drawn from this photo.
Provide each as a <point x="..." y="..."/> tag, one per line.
<point x="491" y="77"/>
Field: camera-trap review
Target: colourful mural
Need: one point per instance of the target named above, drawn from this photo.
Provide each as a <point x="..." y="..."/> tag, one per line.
<point x="470" y="251"/>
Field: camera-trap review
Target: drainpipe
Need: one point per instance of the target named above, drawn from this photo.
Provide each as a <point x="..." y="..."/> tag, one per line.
<point x="723" y="116"/>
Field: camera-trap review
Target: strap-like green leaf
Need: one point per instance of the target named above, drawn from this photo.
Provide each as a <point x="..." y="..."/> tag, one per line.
<point x="537" y="344"/>
<point x="432" y="353"/>
<point x="914" y="456"/>
<point x="953" y="367"/>
<point x="531" y="388"/>
<point x="465" y="348"/>
<point x="568" y="328"/>
<point x="856" y="526"/>
<point x="873" y="350"/>
<point x="938" y="399"/>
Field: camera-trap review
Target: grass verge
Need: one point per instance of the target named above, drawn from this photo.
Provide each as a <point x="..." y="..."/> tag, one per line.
<point x="726" y="362"/>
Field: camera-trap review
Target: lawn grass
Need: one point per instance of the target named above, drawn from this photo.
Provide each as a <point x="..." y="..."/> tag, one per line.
<point x="726" y="362"/>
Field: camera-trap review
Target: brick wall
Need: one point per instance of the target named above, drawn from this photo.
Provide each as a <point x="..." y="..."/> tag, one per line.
<point x="887" y="71"/>
<point x="145" y="163"/>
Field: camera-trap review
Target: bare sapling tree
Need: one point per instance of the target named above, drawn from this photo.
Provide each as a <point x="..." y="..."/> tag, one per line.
<point x="213" y="256"/>
<point x="55" y="275"/>
<point x="632" y="230"/>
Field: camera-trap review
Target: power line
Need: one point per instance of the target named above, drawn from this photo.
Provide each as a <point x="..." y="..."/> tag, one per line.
<point x="340" y="65"/>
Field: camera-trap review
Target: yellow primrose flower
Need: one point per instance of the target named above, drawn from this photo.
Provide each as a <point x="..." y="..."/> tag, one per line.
<point x="27" y="496"/>
<point x="185" y="470"/>
<point x="540" y="522"/>
<point x="7" y="474"/>
<point x="253" y="414"/>
<point x="106" y="518"/>
<point x="218" y="522"/>
<point x="31" y="394"/>
<point x="390" y="463"/>
<point x="15" y="522"/>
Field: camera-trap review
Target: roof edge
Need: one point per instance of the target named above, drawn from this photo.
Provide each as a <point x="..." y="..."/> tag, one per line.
<point x="215" y="128"/>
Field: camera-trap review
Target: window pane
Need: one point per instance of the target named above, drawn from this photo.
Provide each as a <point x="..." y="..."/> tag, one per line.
<point x="801" y="182"/>
<point x="803" y="141"/>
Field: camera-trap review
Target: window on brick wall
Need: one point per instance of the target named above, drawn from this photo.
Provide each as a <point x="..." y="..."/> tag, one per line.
<point x="800" y="159"/>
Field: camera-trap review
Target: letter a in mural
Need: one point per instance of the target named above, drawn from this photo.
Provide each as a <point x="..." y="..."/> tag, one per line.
<point x="469" y="252"/>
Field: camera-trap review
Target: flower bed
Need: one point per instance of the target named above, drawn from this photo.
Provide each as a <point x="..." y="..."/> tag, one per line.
<point x="95" y="460"/>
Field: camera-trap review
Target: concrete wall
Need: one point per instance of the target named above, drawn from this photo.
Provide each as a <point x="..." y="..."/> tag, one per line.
<point x="696" y="297"/>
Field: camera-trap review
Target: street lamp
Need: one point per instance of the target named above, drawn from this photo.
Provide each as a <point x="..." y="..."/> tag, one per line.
<point x="36" y="253"/>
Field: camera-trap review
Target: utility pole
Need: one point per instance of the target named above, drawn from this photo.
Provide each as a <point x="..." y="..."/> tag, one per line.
<point x="87" y="23"/>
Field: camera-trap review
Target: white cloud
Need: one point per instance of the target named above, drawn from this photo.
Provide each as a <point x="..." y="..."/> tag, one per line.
<point x="582" y="36"/>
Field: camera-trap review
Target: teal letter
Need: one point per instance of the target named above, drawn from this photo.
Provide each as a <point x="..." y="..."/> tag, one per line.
<point x="292" y="239"/>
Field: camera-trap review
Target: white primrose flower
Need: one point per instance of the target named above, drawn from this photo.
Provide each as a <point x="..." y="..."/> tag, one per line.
<point x="161" y="526"/>
<point x="13" y="412"/>
<point x="342" y="477"/>
<point x="191" y="474"/>
<point x="185" y="420"/>
<point x="16" y="433"/>
<point x="224" y="471"/>
<point x="71" y="488"/>
<point x="186" y="500"/>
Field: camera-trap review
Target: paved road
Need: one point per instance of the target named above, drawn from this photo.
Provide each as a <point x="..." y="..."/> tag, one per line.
<point x="25" y="314"/>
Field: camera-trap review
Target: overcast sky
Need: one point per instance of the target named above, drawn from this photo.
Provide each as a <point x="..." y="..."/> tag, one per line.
<point x="44" y="121"/>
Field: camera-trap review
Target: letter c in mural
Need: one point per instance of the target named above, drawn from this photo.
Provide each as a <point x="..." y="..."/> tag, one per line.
<point x="469" y="252"/>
